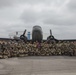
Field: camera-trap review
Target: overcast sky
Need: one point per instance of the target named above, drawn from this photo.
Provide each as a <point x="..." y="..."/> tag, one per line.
<point x="57" y="15"/>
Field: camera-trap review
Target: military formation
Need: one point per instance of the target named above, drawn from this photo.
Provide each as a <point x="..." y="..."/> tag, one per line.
<point x="10" y="49"/>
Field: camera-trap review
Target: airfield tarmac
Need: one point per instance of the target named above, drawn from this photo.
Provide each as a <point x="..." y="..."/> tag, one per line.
<point x="50" y="65"/>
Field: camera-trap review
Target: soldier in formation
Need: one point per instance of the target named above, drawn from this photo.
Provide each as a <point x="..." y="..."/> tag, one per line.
<point x="20" y="49"/>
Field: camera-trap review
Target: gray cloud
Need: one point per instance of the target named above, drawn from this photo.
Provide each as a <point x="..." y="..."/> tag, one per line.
<point x="58" y="15"/>
<point x="5" y="3"/>
<point x="48" y="17"/>
<point x="72" y="5"/>
<point x="57" y="19"/>
<point x="30" y="15"/>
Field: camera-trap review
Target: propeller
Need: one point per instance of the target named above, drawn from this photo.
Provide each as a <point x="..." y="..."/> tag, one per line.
<point x="50" y="32"/>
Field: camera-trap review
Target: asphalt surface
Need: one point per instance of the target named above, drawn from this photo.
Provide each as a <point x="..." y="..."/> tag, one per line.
<point x="50" y="65"/>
